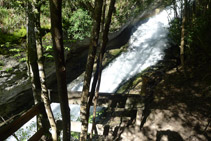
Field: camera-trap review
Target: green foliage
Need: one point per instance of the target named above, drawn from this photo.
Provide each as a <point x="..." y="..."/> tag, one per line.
<point x="198" y="36"/>
<point x="77" y="25"/>
<point x="10" y="48"/>
<point x="67" y="48"/>
<point x="126" y="10"/>
<point x="45" y="15"/>
<point x="45" y="9"/>
<point x="23" y="59"/>
<point x="48" y="51"/>
<point x="23" y="135"/>
<point x="197" y="30"/>
<point x="8" y="69"/>
<point x="48" y="48"/>
<point x="75" y="135"/>
<point x="16" y="4"/>
<point x="98" y="114"/>
<point x="1" y="65"/>
<point x="3" y="13"/>
<point x="175" y="30"/>
<point x="15" y="37"/>
<point x="17" y="52"/>
<point x="20" y="33"/>
<point x="11" y="19"/>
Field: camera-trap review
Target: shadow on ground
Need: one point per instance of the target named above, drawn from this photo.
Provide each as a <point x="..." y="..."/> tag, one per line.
<point x="176" y="106"/>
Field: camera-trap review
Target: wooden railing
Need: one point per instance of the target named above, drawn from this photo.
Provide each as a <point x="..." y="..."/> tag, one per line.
<point x="9" y="128"/>
<point x="126" y="101"/>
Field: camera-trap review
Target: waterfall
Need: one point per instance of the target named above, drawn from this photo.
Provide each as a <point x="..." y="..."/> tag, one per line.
<point x="146" y="48"/>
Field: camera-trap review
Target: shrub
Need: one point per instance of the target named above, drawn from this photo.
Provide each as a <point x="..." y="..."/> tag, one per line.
<point x="78" y="25"/>
<point x="175" y="30"/>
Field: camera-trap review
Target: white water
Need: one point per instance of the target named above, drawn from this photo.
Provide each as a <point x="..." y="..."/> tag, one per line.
<point x="147" y="46"/>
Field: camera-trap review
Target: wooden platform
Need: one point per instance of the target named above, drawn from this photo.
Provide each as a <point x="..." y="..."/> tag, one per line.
<point x="127" y="101"/>
<point x="123" y="110"/>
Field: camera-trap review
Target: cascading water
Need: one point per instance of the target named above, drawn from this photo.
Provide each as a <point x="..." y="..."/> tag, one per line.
<point x="147" y="45"/>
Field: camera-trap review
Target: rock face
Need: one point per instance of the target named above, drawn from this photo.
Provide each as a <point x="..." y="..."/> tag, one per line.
<point x="13" y="82"/>
<point x="15" y="86"/>
<point x="13" y="73"/>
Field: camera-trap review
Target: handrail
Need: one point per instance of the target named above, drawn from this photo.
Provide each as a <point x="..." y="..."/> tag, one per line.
<point x="105" y="99"/>
<point x="74" y="98"/>
<point x="8" y="129"/>
<point x="37" y="135"/>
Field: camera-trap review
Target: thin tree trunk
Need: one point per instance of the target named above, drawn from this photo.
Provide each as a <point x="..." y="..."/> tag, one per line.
<point x="94" y="82"/>
<point x="103" y="17"/>
<point x="89" y="69"/>
<point x="96" y="73"/>
<point x="56" y="30"/>
<point x="182" y="43"/>
<point x="32" y="61"/>
<point x="102" y="51"/>
<point x="175" y="9"/>
<point x="40" y="61"/>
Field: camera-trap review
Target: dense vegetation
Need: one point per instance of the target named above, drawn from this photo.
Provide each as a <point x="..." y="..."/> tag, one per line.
<point x="197" y="16"/>
<point x="77" y="23"/>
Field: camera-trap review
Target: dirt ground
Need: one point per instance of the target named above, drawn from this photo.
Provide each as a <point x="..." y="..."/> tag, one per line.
<point x="178" y="106"/>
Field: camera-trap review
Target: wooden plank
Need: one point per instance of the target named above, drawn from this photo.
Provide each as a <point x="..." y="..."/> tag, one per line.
<point x="8" y="129"/>
<point x="121" y="112"/>
<point x="37" y="136"/>
<point x="105" y="99"/>
<point x="76" y="127"/>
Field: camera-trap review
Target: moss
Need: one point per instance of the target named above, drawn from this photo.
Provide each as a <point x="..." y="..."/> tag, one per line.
<point x="14" y="37"/>
<point x="123" y="88"/>
<point x="137" y="79"/>
<point x="9" y="70"/>
<point x="47" y="37"/>
<point x="130" y="84"/>
<point x="47" y="26"/>
<point x="20" y="33"/>
<point x="115" y="52"/>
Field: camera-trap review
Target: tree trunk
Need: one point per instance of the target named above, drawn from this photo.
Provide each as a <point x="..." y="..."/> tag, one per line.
<point x="94" y="82"/>
<point x="89" y="69"/>
<point x="40" y="62"/>
<point x="182" y="42"/>
<point x="56" y="30"/>
<point x="32" y="60"/>
<point x="175" y="8"/>
<point x="101" y="54"/>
